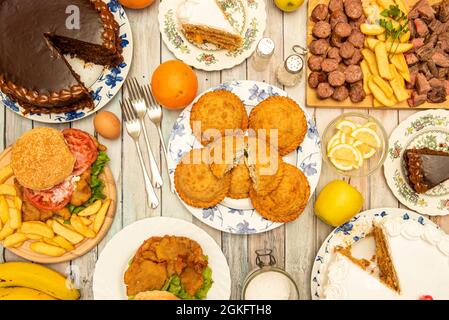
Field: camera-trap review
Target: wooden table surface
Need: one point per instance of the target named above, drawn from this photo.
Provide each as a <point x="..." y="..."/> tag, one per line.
<point x="294" y="244"/>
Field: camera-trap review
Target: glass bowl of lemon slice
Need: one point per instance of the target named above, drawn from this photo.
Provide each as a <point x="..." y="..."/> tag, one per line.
<point x="355" y="144"/>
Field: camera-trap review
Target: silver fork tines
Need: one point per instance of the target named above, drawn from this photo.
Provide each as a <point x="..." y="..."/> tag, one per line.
<point x="155" y="114"/>
<point x="140" y="108"/>
<point x="134" y="129"/>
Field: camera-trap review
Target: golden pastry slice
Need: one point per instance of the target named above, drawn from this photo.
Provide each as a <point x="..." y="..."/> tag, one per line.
<point x="240" y="182"/>
<point x="195" y="182"/>
<point x="288" y="201"/>
<point x="217" y="113"/>
<point x="225" y="153"/>
<point x="265" y="165"/>
<point x="284" y="115"/>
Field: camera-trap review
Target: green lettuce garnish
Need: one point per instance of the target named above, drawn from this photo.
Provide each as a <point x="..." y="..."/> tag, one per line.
<point x="173" y="285"/>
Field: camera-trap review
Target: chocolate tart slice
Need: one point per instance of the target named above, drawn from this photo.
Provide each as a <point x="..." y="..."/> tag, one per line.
<point x="426" y="168"/>
<point x="35" y="35"/>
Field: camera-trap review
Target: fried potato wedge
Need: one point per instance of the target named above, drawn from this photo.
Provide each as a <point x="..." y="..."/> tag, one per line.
<point x="4" y="209"/>
<point x="63" y="243"/>
<point x="383" y="85"/>
<point x="371" y="60"/>
<point x="72" y="236"/>
<point x="382" y="61"/>
<point x="6" y="231"/>
<point x="47" y="249"/>
<point x="101" y="215"/>
<point x="80" y="227"/>
<point x="371" y="29"/>
<point x="14" y="239"/>
<point x="380" y="95"/>
<point x="397" y="47"/>
<point x="15" y="218"/>
<point x="91" y="210"/>
<point x="37" y="228"/>
<point x="366" y="75"/>
<point x="5" y="174"/>
<point x="8" y="190"/>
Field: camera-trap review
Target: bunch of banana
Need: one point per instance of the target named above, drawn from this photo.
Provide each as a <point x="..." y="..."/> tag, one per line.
<point x="29" y="281"/>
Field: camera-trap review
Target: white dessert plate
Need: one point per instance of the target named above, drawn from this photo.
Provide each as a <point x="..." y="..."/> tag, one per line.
<point x="110" y="268"/>
<point x="249" y="17"/>
<point x="239" y="216"/>
<point x="103" y="83"/>
<point x="429" y="129"/>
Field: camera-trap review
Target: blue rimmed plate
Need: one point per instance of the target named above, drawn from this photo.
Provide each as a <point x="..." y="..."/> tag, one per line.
<point x="239" y="216"/>
<point x="104" y="83"/>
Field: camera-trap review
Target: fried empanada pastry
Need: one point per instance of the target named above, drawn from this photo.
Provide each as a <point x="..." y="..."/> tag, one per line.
<point x="240" y="182"/>
<point x="264" y="164"/>
<point x="288" y="201"/>
<point x="217" y="113"/>
<point x="225" y="153"/>
<point x="195" y="182"/>
<point x="284" y="115"/>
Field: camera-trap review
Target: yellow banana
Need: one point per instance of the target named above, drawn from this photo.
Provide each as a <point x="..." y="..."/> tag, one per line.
<point x="34" y="276"/>
<point x="21" y="293"/>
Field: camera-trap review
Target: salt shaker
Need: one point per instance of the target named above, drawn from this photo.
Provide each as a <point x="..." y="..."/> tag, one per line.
<point x="290" y="72"/>
<point x="263" y="54"/>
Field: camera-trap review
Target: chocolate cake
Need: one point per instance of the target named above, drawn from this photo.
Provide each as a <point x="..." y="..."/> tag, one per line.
<point x="34" y="36"/>
<point x="426" y="168"/>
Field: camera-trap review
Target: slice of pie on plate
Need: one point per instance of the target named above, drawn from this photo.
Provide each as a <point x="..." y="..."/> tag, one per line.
<point x="205" y="21"/>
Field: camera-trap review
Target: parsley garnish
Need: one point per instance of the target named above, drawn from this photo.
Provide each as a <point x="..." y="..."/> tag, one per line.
<point x="395" y="14"/>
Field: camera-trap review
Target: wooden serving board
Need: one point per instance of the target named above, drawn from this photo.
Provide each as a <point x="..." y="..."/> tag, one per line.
<point x="312" y="99"/>
<point x="87" y="244"/>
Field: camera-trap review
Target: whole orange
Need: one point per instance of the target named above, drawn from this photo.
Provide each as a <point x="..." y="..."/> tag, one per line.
<point x="136" y="4"/>
<point x="174" y="84"/>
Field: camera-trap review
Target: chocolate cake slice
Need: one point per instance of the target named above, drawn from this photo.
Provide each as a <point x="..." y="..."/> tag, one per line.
<point x="426" y="168"/>
<point x="34" y="36"/>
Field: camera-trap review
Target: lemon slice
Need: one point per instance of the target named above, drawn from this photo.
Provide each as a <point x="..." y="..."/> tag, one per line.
<point x="366" y="151"/>
<point x="346" y="126"/>
<point x="371" y="125"/>
<point x="367" y="136"/>
<point x="333" y="142"/>
<point x="345" y="152"/>
<point x="342" y="164"/>
<point x="346" y="138"/>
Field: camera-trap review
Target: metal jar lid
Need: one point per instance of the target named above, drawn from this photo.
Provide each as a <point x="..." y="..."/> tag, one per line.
<point x="294" y="64"/>
<point x="265" y="48"/>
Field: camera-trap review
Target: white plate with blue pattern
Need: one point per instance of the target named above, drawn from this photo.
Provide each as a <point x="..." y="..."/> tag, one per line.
<point x="348" y="234"/>
<point x="239" y="216"/>
<point x="103" y="83"/>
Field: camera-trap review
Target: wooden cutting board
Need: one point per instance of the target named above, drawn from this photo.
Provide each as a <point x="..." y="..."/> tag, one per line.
<point x="86" y="245"/>
<point x="314" y="101"/>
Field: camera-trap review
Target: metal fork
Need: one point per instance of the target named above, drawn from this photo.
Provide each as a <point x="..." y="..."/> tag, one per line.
<point x="134" y="129"/>
<point x="155" y="114"/>
<point x="140" y="107"/>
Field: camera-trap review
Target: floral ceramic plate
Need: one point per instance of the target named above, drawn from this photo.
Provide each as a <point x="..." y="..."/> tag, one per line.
<point x="239" y="216"/>
<point x="351" y="233"/>
<point x="103" y="83"/>
<point x="247" y="16"/>
<point x="423" y="129"/>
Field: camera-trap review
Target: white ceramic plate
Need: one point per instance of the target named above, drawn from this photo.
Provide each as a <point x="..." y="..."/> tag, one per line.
<point x="429" y="129"/>
<point x="353" y="233"/>
<point x="110" y="268"/>
<point x="248" y="16"/>
<point x="103" y="83"/>
<point x="239" y="216"/>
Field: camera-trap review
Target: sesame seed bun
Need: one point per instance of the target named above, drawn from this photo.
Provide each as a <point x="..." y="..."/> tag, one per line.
<point x="41" y="159"/>
<point x="155" y="295"/>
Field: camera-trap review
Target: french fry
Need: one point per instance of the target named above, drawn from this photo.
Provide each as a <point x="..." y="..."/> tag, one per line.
<point x="101" y="215"/>
<point x="47" y="249"/>
<point x="380" y="95"/>
<point x="80" y="227"/>
<point x="402" y="5"/>
<point x="376" y="103"/>
<point x="18" y="203"/>
<point x="50" y="241"/>
<point x="63" y="243"/>
<point x="385" y="3"/>
<point x="4" y="209"/>
<point x="383" y="85"/>
<point x="366" y="75"/>
<point x="381" y="37"/>
<point x="86" y="221"/>
<point x="397" y="83"/>
<point x="371" y="42"/>
<point x="14" y="239"/>
<point x="405" y="74"/>
<point x="5" y="173"/>
<point x="397" y="47"/>
<point x="15" y="218"/>
<point x="6" y="231"/>
<point x="72" y="236"/>
<point x="405" y="37"/>
<point x="37" y="228"/>
<point x="64" y="223"/>
<point x="8" y="190"/>
<point x="398" y="60"/>
<point x="371" y="29"/>
<point x="33" y="236"/>
<point x="382" y="61"/>
<point x="371" y="60"/>
<point x="92" y="209"/>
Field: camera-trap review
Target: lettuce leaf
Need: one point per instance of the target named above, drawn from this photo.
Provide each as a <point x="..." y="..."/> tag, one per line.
<point x="173" y="285"/>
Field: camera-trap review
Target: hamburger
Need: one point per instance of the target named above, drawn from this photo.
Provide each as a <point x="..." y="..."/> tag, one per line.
<point x="57" y="172"/>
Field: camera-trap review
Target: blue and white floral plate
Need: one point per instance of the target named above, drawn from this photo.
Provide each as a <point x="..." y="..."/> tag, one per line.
<point x="239" y="216"/>
<point x="351" y="233"/>
<point x="104" y="83"/>
<point x="429" y="129"/>
<point x="247" y="16"/>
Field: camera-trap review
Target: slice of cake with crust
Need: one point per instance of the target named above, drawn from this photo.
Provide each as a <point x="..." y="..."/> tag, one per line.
<point x="205" y="21"/>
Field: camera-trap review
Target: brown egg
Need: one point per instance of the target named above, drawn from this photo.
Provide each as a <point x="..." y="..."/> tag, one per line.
<point x="107" y="125"/>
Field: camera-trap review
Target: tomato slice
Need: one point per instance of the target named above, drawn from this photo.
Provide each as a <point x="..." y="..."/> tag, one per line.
<point x="83" y="147"/>
<point x="52" y="199"/>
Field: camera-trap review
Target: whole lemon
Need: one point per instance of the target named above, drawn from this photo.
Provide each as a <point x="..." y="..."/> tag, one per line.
<point x="288" y="5"/>
<point x="338" y="202"/>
